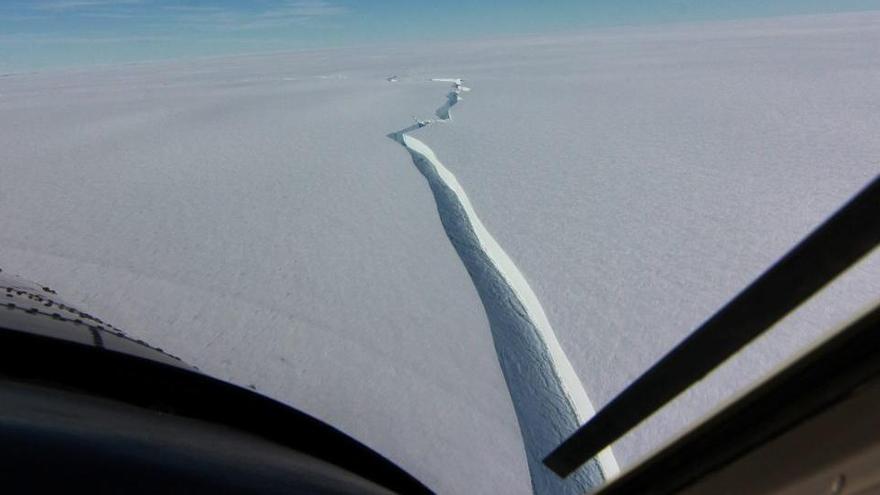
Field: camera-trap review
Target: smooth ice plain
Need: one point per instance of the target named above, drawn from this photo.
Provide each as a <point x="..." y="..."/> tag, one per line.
<point x="250" y="215"/>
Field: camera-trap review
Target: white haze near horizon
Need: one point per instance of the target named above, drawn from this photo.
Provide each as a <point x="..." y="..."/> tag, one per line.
<point x="250" y="215"/>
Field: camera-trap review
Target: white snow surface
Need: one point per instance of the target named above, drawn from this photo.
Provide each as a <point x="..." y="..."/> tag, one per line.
<point x="250" y="215"/>
<point x="640" y="178"/>
<point x="269" y="233"/>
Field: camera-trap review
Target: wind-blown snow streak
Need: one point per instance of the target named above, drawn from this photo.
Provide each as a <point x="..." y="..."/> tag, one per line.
<point x="548" y="397"/>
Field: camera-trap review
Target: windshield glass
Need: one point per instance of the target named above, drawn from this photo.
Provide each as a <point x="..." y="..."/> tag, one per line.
<point x="451" y="230"/>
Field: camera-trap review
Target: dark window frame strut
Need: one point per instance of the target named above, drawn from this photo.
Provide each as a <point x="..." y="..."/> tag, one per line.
<point x="840" y="242"/>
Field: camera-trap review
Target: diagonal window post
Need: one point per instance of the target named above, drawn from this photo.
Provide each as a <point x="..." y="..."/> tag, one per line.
<point x="851" y="233"/>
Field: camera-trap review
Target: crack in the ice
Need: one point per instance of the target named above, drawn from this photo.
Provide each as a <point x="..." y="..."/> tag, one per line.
<point x="547" y="396"/>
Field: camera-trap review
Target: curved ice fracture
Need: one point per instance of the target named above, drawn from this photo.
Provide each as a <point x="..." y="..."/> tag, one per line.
<point x="548" y="397"/>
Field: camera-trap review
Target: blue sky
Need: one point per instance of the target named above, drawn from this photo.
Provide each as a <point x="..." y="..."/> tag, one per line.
<point x="53" y="33"/>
